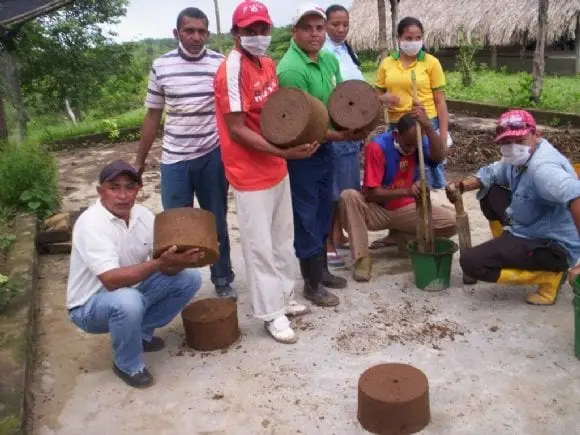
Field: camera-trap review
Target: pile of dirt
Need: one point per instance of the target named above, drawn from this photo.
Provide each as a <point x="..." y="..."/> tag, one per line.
<point x="405" y="323"/>
<point x="474" y="149"/>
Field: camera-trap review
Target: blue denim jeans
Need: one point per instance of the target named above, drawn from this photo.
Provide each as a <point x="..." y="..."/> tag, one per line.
<point x="131" y="315"/>
<point x="205" y="178"/>
<point x="311" y="189"/>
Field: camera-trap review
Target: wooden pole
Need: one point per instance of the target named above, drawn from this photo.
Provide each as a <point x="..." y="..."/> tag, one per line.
<point x="424" y="221"/>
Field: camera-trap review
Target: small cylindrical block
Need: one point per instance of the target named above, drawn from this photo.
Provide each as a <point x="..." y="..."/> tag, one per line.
<point x="211" y="324"/>
<point x="393" y="399"/>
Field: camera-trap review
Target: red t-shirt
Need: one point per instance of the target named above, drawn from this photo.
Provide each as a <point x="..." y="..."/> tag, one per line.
<point x="242" y="86"/>
<point x="375" y="165"/>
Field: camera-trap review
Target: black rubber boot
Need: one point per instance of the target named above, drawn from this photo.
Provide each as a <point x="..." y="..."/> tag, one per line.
<point x="328" y="279"/>
<point x="311" y="269"/>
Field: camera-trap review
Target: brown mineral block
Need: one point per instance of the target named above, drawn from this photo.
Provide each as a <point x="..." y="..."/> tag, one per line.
<point x="292" y="117"/>
<point x="393" y="399"/>
<point x="186" y="228"/>
<point x="211" y="324"/>
<point x="355" y="105"/>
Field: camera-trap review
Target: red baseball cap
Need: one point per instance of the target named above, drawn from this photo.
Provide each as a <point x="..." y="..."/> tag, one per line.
<point x="249" y="12"/>
<point x="515" y="123"/>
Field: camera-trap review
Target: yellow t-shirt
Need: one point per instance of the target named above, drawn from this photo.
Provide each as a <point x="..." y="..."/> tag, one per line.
<point x="393" y="78"/>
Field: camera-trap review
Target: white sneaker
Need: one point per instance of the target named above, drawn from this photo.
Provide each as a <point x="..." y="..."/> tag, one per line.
<point x="281" y="331"/>
<point x="294" y="309"/>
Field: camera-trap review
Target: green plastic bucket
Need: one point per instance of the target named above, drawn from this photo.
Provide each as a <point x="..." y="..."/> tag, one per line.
<point x="432" y="271"/>
<point x="576" y="289"/>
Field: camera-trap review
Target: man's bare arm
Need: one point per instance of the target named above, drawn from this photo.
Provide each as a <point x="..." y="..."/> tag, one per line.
<point x="151" y="123"/>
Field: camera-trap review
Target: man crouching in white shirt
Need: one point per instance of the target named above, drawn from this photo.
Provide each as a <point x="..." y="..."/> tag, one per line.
<point x="114" y="286"/>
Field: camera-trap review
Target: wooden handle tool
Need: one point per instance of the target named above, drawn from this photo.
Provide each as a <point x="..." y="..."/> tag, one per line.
<point x="463" y="228"/>
<point x="424" y="212"/>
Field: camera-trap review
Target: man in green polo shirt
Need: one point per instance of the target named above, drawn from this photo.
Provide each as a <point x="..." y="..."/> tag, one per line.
<point x="306" y="67"/>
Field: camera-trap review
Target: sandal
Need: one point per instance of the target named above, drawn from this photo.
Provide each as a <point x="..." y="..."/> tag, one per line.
<point x="385" y="242"/>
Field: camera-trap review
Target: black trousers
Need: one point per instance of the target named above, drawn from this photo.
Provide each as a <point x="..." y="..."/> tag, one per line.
<point x="485" y="262"/>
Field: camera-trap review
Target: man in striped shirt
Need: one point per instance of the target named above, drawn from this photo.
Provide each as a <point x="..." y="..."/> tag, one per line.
<point x="181" y="83"/>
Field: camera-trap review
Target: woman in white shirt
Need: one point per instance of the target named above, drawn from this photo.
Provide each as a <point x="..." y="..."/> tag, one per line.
<point x="345" y="155"/>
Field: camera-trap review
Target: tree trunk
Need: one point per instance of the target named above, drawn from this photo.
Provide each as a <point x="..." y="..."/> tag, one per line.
<point x="10" y="73"/>
<point x="394" y="21"/>
<point x="494" y="57"/>
<point x="70" y="112"/>
<point x="219" y="26"/>
<point x="577" y="46"/>
<point x="539" y="61"/>
<point x="382" y="29"/>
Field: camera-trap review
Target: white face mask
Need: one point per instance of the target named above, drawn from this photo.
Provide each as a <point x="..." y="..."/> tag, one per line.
<point x="400" y="149"/>
<point x="187" y="53"/>
<point x="516" y="154"/>
<point x="411" y="48"/>
<point x="256" y="45"/>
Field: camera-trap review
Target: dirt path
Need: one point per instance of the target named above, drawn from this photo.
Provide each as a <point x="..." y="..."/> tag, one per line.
<point x="495" y="365"/>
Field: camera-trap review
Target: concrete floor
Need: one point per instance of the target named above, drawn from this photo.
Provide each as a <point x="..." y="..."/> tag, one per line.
<point x="495" y="365"/>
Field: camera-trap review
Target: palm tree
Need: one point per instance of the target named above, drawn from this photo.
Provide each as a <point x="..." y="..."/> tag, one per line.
<point x="394" y="21"/>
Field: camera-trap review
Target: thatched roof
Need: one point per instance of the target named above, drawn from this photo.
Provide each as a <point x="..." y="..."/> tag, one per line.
<point x="14" y="12"/>
<point x="497" y="22"/>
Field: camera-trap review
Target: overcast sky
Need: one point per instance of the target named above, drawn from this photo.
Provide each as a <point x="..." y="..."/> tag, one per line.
<point x="156" y="19"/>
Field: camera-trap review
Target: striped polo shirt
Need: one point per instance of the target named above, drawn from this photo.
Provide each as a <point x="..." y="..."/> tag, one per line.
<point x="184" y="87"/>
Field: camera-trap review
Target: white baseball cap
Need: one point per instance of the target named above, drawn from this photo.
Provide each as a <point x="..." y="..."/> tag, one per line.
<point x="308" y="9"/>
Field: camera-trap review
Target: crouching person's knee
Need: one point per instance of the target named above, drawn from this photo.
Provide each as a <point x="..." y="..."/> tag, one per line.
<point x="128" y="303"/>
<point x="445" y="222"/>
<point x="187" y="282"/>
<point x="349" y="195"/>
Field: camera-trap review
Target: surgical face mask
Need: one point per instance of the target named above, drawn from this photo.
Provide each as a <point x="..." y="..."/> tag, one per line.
<point x="400" y="149"/>
<point x="256" y="45"/>
<point x="187" y="53"/>
<point x="411" y="48"/>
<point x="516" y="154"/>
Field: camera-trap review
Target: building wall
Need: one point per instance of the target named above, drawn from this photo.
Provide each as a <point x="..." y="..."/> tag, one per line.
<point x="558" y="62"/>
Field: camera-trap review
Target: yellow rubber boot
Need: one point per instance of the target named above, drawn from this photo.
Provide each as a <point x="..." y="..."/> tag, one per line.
<point x="549" y="284"/>
<point x="496" y="228"/>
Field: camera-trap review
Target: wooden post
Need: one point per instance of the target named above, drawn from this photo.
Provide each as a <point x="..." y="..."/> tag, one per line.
<point x="424" y="212"/>
<point x="463" y="228"/>
<point x="494" y="57"/>
<point x="577" y="46"/>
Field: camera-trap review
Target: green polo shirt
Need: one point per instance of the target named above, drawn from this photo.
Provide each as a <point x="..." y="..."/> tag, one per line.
<point x="317" y="78"/>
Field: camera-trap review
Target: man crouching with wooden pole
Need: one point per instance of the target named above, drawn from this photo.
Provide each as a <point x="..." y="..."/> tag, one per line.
<point x="532" y="200"/>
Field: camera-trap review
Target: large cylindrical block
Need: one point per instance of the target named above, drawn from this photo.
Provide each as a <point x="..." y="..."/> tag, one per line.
<point x="186" y="228"/>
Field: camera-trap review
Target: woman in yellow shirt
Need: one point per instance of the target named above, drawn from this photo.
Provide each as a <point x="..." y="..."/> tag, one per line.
<point x="394" y="80"/>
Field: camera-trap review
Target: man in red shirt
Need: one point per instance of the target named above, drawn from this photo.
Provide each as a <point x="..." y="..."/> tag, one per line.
<point x="390" y="186"/>
<point x="257" y="171"/>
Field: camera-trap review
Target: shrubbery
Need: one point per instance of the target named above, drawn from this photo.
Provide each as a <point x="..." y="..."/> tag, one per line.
<point x="28" y="179"/>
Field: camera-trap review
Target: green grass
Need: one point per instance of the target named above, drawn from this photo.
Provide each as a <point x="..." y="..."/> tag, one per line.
<point x="42" y="134"/>
<point x="559" y="93"/>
